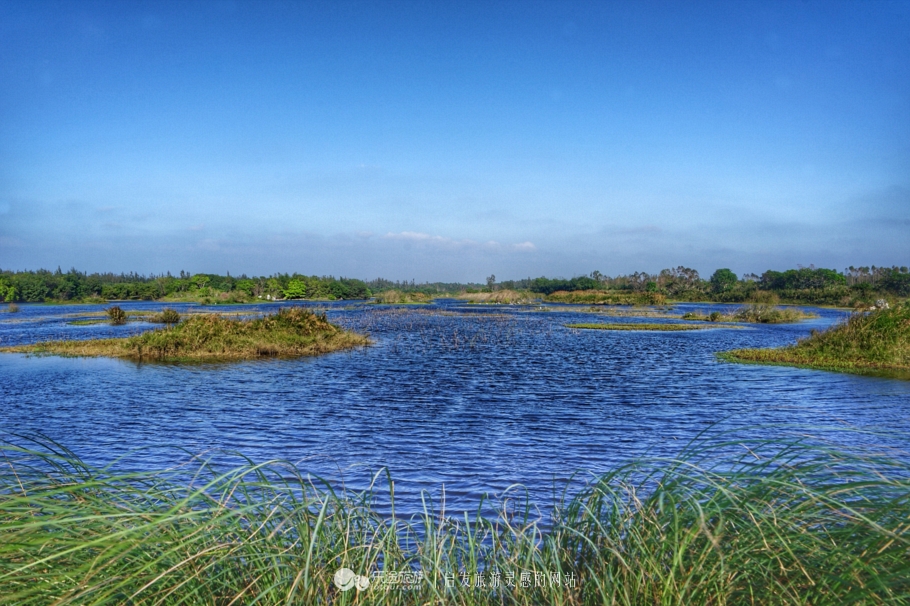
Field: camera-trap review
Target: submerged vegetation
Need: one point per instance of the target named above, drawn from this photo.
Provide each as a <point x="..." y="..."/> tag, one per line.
<point x="756" y="313"/>
<point x="733" y="521"/>
<point x="642" y="326"/>
<point x="866" y="342"/>
<point x="210" y="337"/>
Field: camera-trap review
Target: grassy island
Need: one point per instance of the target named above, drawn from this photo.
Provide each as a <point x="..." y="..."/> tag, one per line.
<point x="605" y="297"/>
<point x="397" y="297"/>
<point x="757" y="313"/>
<point x="642" y="326"/>
<point x="210" y="337"/>
<point x="866" y="343"/>
<point x="740" y="521"/>
<point x="502" y="297"/>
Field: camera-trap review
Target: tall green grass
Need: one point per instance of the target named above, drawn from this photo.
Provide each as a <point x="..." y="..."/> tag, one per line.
<point x="731" y="521"/>
<point x="866" y="342"/>
<point x="756" y="313"/>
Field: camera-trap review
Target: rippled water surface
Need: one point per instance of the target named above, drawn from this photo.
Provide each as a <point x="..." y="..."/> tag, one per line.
<point x="475" y="398"/>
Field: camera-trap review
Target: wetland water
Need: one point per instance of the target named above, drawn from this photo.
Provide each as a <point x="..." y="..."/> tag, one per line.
<point x="475" y="398"/>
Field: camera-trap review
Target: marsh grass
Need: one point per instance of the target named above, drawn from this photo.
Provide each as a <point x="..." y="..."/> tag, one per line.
<point x="642" y="326"/>
<point x="209" y="337"/>
<point x="397" y="297"/>
<point x="732" y="521"/>
<point x="167" y="316"/>
<point x="607" y="297"/>
<point x="12" y="308"/>
<point x="635" y="312"/>
<point x="873" y="342"/>
<point x="756" y="313"/>
<point x="501" y="297"/>
<point x="85" y="322"/>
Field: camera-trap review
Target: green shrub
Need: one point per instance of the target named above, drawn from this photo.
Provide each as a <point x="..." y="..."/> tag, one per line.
<point x="167" y="316"/>
<point x="117" y="315"/>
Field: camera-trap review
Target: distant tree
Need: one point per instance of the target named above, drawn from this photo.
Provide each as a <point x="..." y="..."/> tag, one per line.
<point x="723" y="280"/>
<point x="296" y="290"/>
<point x="491" y="281"/>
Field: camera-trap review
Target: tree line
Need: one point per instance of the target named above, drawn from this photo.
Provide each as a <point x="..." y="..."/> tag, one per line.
<point x="808" y="284"/>
<point x="43" y="285"/>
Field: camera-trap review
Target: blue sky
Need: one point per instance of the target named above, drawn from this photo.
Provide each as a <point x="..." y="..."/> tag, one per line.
<point x="452" y="140"/>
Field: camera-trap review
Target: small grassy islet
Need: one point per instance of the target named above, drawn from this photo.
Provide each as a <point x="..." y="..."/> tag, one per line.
<point x="867" y="343"/>
<point x="291" y="332"/>
<point x="757" y="313"/>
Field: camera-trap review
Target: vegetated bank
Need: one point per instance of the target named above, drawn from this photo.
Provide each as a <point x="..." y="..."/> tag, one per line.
<point x="291" y="332"/>
<point x="606" y="297"/>
<point x="670" y="327"/>
<point x="735" y="520"/>
<point x="505" y="296"/>
<point x="873" y="342"/>
<point x="397" y="297"/>
<point x="757" y="313"/>
<point x="853" y="287"/>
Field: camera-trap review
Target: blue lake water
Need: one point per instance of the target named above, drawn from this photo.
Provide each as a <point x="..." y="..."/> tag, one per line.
<point x="475" y="398"/>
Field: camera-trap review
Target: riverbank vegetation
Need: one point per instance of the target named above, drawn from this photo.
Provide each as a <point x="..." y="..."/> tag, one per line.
<point x="397" y="297"/>
<point x="606" y="297"/>
<point x="756" y="313"/>
<point x="867" y="342"/>
<point x="291" y="332"/>
<point x="733" y="521"/>
<point x="853" y="287"/>
<point x="503" y="297"/>
<point x="75" y="286"/>
<point x="642" y="326"/>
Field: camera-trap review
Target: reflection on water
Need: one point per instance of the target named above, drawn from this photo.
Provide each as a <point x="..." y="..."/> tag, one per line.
<point x="475" y="398"/>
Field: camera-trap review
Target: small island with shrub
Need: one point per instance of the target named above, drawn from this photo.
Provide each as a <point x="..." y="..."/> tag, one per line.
<point x="292" y="332"/>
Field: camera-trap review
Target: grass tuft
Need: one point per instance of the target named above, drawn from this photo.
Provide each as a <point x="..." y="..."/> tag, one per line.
<point x="116" y="315"/>
<point x="167" y="316"/>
